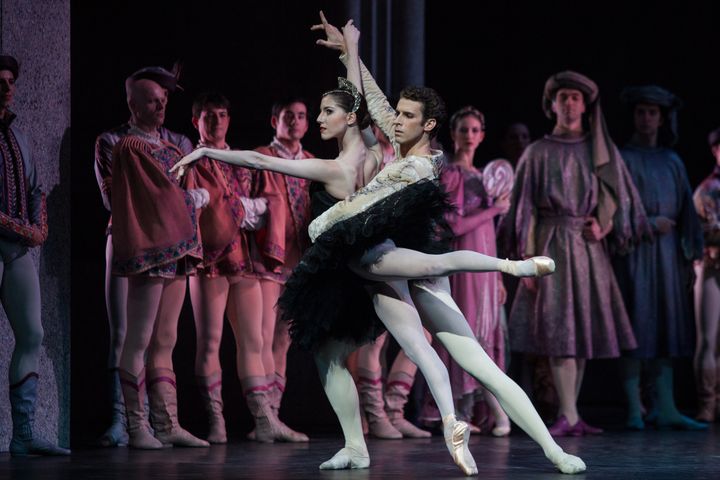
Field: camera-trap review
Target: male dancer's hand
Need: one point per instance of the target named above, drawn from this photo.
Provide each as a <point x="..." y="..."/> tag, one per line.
<point x="592" y="230"/>
<point x="335" y="39"/>
<point x="350" y="34"/>
<point x="530" y="283"/>
<point x="502" y="292"/>
<point x="663" y="225"/>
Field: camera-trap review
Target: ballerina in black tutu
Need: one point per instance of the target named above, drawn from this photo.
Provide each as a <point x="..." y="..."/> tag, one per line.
<point x="370" y="248"/>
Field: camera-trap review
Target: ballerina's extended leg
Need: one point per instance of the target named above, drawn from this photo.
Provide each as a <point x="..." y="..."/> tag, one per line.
<point x="406" y="264"/>
<point x="395" y="308"/>
<point x="441" y="314"/>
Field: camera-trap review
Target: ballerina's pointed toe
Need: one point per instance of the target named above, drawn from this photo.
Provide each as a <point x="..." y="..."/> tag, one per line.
<point x="543" y="266"/>
<point x="457" y="437"/>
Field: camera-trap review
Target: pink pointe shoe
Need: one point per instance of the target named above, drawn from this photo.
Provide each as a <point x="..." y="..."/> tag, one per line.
<point x="532" y="267"/>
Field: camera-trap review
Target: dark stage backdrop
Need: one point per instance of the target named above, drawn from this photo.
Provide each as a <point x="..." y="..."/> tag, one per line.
<point x="497" y="57"/>
<point x="494" y="56"/>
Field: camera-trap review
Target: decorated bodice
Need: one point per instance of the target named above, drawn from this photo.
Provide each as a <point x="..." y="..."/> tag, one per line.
<point x="391" y="179"/>
<point x="320" y="200"/>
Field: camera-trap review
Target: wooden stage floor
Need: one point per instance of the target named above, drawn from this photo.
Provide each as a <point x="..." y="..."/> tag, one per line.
<point x="617" y="454"/>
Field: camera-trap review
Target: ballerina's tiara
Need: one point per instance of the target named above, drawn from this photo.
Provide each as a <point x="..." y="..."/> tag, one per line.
<point x="346" y="86"/>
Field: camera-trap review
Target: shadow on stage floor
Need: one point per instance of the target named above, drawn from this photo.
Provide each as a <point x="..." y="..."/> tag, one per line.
<point x="617" y="454"/>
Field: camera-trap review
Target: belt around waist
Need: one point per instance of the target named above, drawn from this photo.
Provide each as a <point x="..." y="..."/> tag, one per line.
<point x="563" y="221"/>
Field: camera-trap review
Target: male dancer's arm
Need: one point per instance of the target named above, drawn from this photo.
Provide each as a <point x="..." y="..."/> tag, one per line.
<point x="34" y="231"/>
<point x="382" y="113"/>
<point x="37" y="208"/>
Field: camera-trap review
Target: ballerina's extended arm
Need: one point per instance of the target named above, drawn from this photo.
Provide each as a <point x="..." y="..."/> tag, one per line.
<point x="342" y="41"/>
<point x="383" y="114"/>
<point x="315" y="169"/>
<point x="351" y="37"/>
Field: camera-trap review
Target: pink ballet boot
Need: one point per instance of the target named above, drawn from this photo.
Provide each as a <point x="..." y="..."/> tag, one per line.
<point x="133" y="389"/>
<point x="162" y="394"/>
<point x="707" y="401"/>
<point x="396" y="396"/>
<point x="268" y="427"/>
<point x="211" y="393"/>
<point x="371" y="402"/>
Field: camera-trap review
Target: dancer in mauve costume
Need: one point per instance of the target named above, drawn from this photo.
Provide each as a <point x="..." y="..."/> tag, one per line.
<point x="572" y="190"/>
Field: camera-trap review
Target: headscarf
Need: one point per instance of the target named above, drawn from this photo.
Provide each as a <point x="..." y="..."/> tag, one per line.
<point x="655" y="95"/>
<point x="618" y="200"/>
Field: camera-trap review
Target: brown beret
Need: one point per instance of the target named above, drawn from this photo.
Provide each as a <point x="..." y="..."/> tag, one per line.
<point x="651" y="94"/>
<point x="568" y="79"/>
<point x="8" y="62"/>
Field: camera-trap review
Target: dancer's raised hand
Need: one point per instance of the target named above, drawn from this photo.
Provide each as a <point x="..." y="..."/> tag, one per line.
<point x="334" y="40"/>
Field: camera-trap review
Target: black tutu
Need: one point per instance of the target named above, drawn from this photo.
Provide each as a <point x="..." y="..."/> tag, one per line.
<point x="324" y="299"/>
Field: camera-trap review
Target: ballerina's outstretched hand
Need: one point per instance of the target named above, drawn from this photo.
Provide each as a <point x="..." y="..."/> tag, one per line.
<point x="181" y="166"/>
<point x="334" y="40"/>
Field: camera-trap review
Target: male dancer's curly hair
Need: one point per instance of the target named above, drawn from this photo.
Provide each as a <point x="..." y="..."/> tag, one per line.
<point x="433" y="105"/>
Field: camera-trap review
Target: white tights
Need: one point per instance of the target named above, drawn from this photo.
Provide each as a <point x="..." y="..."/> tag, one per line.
<point x="403" y="308"/>
<point x="116" y="289"/>
<point x="341" y="392"/>
<point x="443" y="318"/>
<point x="20" y="297"/>
<point x="406" y="264"/>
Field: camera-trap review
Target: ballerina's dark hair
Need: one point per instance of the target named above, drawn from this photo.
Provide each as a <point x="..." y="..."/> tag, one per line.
<point x="351" y="100"/>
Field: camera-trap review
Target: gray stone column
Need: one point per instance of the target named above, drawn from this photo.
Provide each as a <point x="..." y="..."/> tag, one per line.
<point x="408" y="44"/>
<point x="37" y="33"/>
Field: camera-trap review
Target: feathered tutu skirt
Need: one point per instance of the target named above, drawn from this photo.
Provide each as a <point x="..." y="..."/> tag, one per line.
<point x="323" y="299"/>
